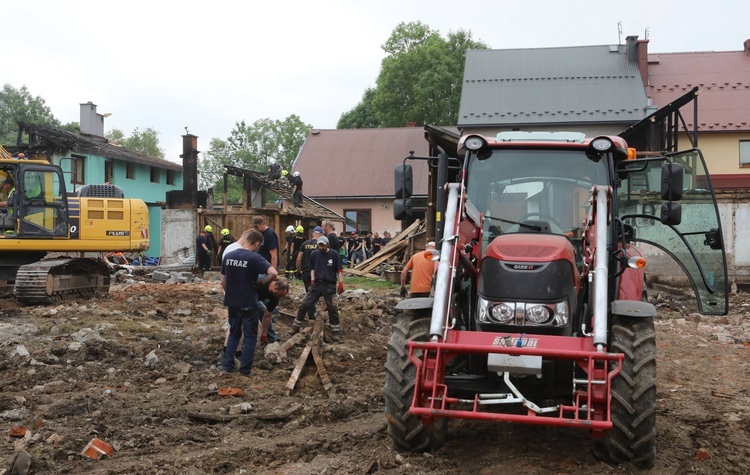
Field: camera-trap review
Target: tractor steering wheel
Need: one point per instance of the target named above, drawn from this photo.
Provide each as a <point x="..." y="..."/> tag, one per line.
<point x="557" y="229"/>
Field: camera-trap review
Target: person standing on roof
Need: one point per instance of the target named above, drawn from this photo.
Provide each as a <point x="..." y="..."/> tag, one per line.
<point x="325" y="271"/>
<point x="226" y="240"/>
<point x="296" y="182"/>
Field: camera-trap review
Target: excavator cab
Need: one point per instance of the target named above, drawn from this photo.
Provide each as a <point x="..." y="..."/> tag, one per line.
<point x="39" y="206"/>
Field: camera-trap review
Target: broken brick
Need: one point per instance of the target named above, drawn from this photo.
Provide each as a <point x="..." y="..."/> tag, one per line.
<point x="97" y="448"/>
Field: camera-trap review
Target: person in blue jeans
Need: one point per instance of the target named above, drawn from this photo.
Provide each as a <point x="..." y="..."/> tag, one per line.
<point x="239" y="279"/>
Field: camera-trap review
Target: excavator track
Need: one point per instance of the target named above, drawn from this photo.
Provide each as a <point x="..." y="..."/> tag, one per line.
<point x="51" y="280"/>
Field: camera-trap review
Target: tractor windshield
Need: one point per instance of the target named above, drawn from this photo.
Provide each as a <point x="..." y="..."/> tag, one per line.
<point x="533" y="190"/>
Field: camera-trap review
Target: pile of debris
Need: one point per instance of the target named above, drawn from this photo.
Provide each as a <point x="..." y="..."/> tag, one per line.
<point x="391" y="259"/>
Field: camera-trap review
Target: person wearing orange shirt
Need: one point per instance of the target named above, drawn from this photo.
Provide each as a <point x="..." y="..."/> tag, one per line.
<point x="422" y="270"/>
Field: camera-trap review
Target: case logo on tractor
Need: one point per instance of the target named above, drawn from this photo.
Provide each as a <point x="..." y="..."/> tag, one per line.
<point x="118" y="233"/>
<point x="524" y="266"/>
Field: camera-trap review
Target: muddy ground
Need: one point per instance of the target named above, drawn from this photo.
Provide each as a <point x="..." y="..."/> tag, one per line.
<point x="136" y="370"/>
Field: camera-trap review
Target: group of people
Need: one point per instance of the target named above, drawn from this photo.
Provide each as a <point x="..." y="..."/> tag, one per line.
<point x="358" y="247"/>
<point x="253" y="288"/>
<point x="276" y="171"/>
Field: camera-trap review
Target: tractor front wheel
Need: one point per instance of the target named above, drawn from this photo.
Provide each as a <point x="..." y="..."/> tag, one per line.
<point x="633" y="435"/>
<point x="408" y="432"/>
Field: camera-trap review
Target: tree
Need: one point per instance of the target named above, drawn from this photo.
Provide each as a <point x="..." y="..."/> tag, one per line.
<point x="362" y="116"/>
<point x="146" y="141"/>
<point x="253" y="147"/>
<point x="420" y="79"/>
<point x="19" y="105"/>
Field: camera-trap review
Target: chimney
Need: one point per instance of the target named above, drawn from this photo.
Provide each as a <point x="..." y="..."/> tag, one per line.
<point x="631" y="47"/>
<point x="189" y="163"/>
<point x="642" y="52"/>
<point x="746" y="44"/>
<point x="91" y="122"/>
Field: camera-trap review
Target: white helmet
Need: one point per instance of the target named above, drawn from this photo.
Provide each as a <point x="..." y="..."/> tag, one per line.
<point x="295" y="174"/>
<point x="290" y="229"/>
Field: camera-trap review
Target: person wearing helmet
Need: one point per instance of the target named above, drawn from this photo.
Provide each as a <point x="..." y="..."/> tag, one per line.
<point x="326" y="279"/>
<point x="296" y="246"/>
<point x="203" y="252"/>
<point x="211" y="242"/>
<point x="226" y="240"/>
<point x="296" y="182"/>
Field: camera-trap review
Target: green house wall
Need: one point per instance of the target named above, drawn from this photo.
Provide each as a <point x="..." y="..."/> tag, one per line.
<point x="154" y="194"/>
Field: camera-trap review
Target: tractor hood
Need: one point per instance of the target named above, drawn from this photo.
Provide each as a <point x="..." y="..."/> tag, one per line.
<point x="530" y="248"/>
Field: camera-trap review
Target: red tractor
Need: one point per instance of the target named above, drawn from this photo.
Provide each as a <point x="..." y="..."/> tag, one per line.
<point x="540" y="313"/>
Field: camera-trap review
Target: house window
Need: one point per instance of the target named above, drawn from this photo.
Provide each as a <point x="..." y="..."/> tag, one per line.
<point x="745" y="153"/>
<point x="130" y="171"/>
<point x="357" y="220"/>
<point x="108" y="172"/>
<point x="170" y="177"/>
<point x="154" y="175"/>
<point x="78" y="171"/>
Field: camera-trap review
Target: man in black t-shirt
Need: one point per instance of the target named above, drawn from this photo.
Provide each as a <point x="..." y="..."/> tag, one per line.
<point x="303" y="261"/>
<point x="325" y="271"/>
<point x="239" y="279"/>
<point x="330" y="232"/>
<point x="269" y="250"/>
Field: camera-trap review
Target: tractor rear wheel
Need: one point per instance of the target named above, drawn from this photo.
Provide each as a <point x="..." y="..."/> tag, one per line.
<point x="633" y="435"/>
<point x="408" y="432"/>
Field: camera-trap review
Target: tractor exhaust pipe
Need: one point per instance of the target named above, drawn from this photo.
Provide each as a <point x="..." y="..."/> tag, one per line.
<point x="601" y="272"/>
<point x="443" y="284"/>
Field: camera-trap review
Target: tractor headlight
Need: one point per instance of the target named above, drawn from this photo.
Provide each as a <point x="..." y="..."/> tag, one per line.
<point x="503" y="312"/>
<point x="523" y="313"/>
<point x="537" y="314"/>
<point x="474" y="142"/>
<point x="601" y="144"/>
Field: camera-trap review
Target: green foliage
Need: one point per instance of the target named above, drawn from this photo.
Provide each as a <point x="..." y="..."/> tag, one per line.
<point x="146" y="141"/>
<point x="252" y="147"/>
<point x="420" y="79"/>
<point x="362" y="116"/>
<point x="19" y="105"/>
<point x="354" y="282"/>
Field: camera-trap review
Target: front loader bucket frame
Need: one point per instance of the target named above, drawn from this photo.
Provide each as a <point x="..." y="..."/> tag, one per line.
<point x="591" y="402"/>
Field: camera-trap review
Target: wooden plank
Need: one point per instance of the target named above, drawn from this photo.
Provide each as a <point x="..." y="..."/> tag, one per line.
<point x="317" y="353"/>
<point x="382" y="256"/>
<point x="298" y="369"/>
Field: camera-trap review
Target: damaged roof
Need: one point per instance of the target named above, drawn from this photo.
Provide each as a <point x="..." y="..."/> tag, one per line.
<point x="310" y="208"/>
<point x="63" y="142"/>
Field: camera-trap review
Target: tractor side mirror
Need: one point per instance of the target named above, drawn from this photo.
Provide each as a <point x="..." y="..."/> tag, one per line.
<point x="402" y="209"/>
<point x="403" y="181"/>
<point x="671" y="213"/>
<point x="672" y="177"/>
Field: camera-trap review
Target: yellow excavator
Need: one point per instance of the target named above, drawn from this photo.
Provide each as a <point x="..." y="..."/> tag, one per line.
<point x="44" y="233"/>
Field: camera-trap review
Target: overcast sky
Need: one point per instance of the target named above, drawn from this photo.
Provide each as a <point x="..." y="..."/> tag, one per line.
<point x="207" y="65"/>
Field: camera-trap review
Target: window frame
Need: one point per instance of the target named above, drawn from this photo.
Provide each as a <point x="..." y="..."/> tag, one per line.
<point x="171" y="177"/>
<point x="130" y="170"/>
<point x="360" y="223"/>
<point x="744" y="153"/>
<point x="155" y="175"/>
<point x="75" y="177"/>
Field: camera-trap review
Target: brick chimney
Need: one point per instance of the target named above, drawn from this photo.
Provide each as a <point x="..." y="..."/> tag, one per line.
<point x="91" y="122"/>
<point x="189" y="164"/>
<point x="746" y="44"/>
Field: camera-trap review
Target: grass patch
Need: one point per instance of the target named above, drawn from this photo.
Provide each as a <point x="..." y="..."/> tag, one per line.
<point x="366" y="283"/>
